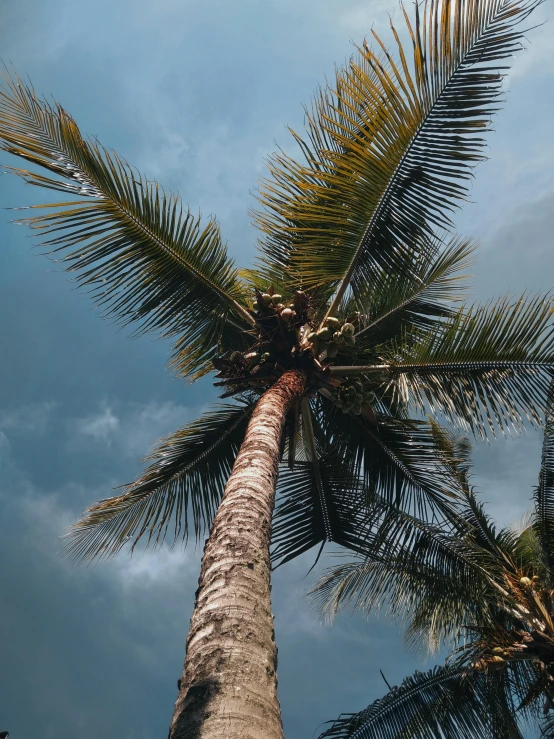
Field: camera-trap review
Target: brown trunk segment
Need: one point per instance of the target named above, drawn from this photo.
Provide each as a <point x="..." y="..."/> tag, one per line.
<point x="229" y="684"/>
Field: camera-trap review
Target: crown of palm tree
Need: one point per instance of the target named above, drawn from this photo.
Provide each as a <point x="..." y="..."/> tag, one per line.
<point x="357" y="283"/>
<point x="490" y="593"/>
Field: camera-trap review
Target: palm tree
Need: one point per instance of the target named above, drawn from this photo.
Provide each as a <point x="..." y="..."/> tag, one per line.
<point x="490" y="593"/>
<point x="333" y="346"/>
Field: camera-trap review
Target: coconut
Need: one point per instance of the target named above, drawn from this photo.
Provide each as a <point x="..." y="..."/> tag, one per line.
<point x="348" y="329"/>
<point x="325" y="334"/>
<point x="525" y="581"/>
<point x="332" y="351"/>
<point x="333" y="323"/>
<point x="312" y="336"/>
<point x="252" y="357"/>
<point x="276" y="298"/>
<point x="287" y="314"/>
<point x="349" y="340"/>
<point x="235" y="356"/>
<point x="267" y="298"/>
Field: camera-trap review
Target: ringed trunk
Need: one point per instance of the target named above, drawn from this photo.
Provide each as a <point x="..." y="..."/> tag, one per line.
<point x="229" y="685"/>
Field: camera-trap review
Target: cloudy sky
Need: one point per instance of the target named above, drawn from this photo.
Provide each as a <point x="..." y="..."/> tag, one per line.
<point x="195" y="95"/>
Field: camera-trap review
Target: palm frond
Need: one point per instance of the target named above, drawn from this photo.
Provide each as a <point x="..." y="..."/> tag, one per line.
<point x="186" y="479"/>
<point x="401" y="460"/>
<point x="488" y="367"/>
<point x="403" y="302"/>
<point x="430" y="576"/>
<point x="389" y="150"/>
<point x="319" y="500"/>
<point x="144" y="258"/>
<point x="450" y="702"/>
<point x="543" y="523"/>
<point x="547" y="726"/>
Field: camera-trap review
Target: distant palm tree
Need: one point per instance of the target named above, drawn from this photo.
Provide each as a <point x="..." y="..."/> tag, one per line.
<point x="491" y="593"/>
<point x="333" y="346"/>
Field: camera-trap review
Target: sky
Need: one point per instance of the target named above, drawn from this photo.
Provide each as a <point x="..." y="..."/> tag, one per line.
<point x="196" y="95"/>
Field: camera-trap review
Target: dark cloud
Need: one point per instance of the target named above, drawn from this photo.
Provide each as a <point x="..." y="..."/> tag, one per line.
<point x="525" y="239"/>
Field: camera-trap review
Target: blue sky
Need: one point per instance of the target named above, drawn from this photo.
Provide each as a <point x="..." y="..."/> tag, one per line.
<point x="195" y="95"/>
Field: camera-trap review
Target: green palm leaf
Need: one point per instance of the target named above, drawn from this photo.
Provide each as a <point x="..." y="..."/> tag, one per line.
<point x="543" y="520"/>
<point x="486" y="367"/>
<point x="400" y="460"/>
<point x="320" y="498"/>
<point x="389" y="150"/>
<point x="446" y="702"/>
<point x="186" y="478"/>
<point x="144" y="258"/>
<point x="404" y="302"/>
<point x="318" y="502"/>
<point x="426" y="575"/>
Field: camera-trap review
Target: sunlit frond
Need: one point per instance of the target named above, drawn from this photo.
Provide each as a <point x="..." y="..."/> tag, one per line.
<point x="389" y="148"/>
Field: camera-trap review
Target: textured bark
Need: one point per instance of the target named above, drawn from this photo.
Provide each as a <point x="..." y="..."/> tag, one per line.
<point x="229" y="684"/>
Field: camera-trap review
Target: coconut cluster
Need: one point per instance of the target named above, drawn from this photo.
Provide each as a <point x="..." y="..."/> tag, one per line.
<point x="283" y="336"/>
<point x="521" y="643"/>
<point x="351" y="396"/>
<point x="274" y="301"/>
<point x="332" y="337"/>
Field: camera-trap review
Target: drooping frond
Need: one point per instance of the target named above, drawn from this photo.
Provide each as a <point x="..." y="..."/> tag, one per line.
<point x="320" y="499"/>
<point x="143" y="257"/>
<point x="401" y="460"/>
<point x="547" y="727"/>
<point x="389" y="150"/>
<point x="318" y="502"/>
<point x="487" y="367"/>
<point x="434" y="569"/>
<point x="185" y="480"/>
<point x="447" y="702"/>
<point x="428" y="576"/>
<point x="544" y="492"/>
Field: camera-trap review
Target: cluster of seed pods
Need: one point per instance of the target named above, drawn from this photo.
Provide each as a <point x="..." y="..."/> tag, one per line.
<point x="332" y="337"/>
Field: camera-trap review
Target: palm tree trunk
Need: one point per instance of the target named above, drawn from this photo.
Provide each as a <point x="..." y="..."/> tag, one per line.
<point x="229" y="684"/>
